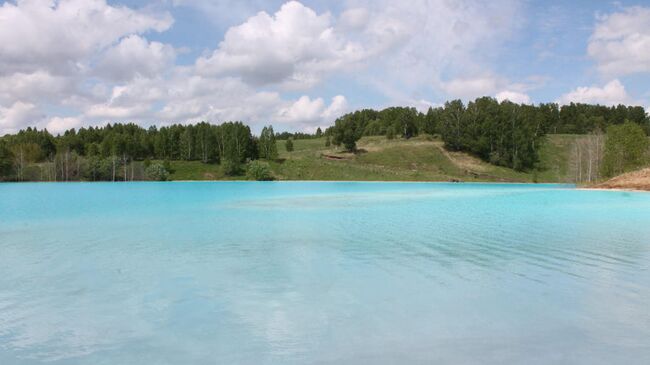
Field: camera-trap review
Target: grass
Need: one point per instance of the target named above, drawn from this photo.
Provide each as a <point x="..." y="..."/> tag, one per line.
<point x="419" y="159"/>
<point x="195" y="170"/>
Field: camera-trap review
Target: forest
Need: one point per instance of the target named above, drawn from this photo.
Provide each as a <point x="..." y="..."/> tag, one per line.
<point x="505" y="134"/>
<point x="501" y="133"/>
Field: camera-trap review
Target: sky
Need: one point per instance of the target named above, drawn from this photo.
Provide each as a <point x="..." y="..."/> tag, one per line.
<point x="300" y="65"/>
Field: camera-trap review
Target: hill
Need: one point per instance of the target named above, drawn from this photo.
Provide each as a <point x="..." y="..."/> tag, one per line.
<point x="418" y="159"/>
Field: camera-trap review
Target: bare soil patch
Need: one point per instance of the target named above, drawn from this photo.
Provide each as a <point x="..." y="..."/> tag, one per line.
<point x="636" y="180"/>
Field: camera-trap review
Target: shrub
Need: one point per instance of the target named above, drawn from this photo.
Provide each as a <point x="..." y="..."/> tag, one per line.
<point x="390" y="132"/>
<point x="258" y="170"/>
<point x="289" y="145"/>
<point x="157" y="172"/>
<point x="231" y="167"/>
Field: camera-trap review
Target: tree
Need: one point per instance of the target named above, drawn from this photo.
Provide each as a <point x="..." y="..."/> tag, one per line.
<point x="327" y="141"/>
<point x="451" y="126"/>
<point x="430" y="121"/>
<point x="267" y="144"/>
<point x="258" y="170"/>
<point x="289" y="144"/>
<point x="319" y="132"/>
<point x="5" y="160"/>
<point x="626" y="148"/>
<point x="587" y="156"/>
<point x="23" y="154"/>
<point x="390" y="133"/>
<point x="157" y="172"/>
<point x="346" y="132"/>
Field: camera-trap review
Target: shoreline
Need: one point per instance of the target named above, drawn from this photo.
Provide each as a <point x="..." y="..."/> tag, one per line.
<point x="298" y="181"/>
<point x="628" y="190"/>
<point x="571" y="186"/>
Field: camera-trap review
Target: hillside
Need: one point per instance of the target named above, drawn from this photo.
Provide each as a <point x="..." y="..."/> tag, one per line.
<point x="636" y="180"/>
<point x="418" y="159"/>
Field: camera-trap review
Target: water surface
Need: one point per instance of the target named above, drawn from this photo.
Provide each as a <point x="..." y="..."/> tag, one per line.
<point x="296" y="272"/>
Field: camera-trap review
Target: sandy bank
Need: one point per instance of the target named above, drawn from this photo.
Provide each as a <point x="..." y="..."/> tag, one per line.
<point x="636" y="180"/>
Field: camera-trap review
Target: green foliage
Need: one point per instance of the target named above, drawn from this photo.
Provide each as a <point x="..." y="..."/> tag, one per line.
<point x="585" y="118"/>
<point x="390" y="133"/>
<point x="259" y="171"/>
<point x="347" y="131"/>
<point x="626" y="148"/>
<point x="231" y="167"/>
<point x="504" y="134"/>
<point x="157" y="172"/>
<point x="5" y="160"/>
<point x="97" y="169"/>
<point x="168" y="166"/>
<point x="267" y="146"/>
<point x="289" y="145"/>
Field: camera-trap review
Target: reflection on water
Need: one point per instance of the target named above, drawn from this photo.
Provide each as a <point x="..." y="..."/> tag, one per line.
<point x="254" y="273"/>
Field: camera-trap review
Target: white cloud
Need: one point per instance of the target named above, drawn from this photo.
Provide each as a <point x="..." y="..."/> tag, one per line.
<point x="60" y="35"/>
<point x="354" y="19"/>
<point x="94" y="61"/>
<point x="469" y="88"/>
<point x="294" y="46"/>
<point x="34" y="86"/>
<point x="513" y="96"/>
<point x="612" y="93"/>
<point x="135" y="56"/>
<point x="308" y="112"/>
<point x="620" y="43"/>
<point x="48" y="52"/>
<point x="416" y="44"/>
<point x="61" y="124"/>
<point x="17" y="115"/>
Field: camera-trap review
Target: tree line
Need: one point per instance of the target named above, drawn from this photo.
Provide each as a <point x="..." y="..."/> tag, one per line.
<point x="502" y="133"/>
<point x="106" y="153"/>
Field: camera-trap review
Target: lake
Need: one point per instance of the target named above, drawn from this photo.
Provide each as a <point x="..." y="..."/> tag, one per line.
<point x="320" y="272"/>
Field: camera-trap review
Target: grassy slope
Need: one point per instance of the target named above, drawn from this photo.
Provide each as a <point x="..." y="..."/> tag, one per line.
<point x="418" y="159"/>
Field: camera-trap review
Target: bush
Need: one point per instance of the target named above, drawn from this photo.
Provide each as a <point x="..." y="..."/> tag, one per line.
<point x="390" y="132"/>
<point x="289" y="145"/>
<point x="259" y="171"/>
<point x="157" y="172"/>
<point x="231" y="167"/>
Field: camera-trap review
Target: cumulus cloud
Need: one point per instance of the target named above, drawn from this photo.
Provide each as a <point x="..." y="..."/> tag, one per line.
<point x="620" y="43"/>
<point x="513" y="96"/>
<point x="59" y="35"/>
<point x="308" y="112"/>
<point x="612" y="93"/>
<point x="61" y="124"/>
<point x="417" y="44"/>
<point x="49" y="51"/>
<point x="294" y="46"/>
<point x="135" y="56"/>
<point x="94" y="60"/>
<point x="17" y="115"/>
<point x="37" y="85"/>
<point x="354" y="19"/>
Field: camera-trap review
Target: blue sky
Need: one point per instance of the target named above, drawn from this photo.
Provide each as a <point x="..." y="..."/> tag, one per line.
<point x="299" y="65"/>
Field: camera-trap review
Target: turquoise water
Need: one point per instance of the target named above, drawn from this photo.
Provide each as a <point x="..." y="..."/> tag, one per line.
<point x="295" y="273"/>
